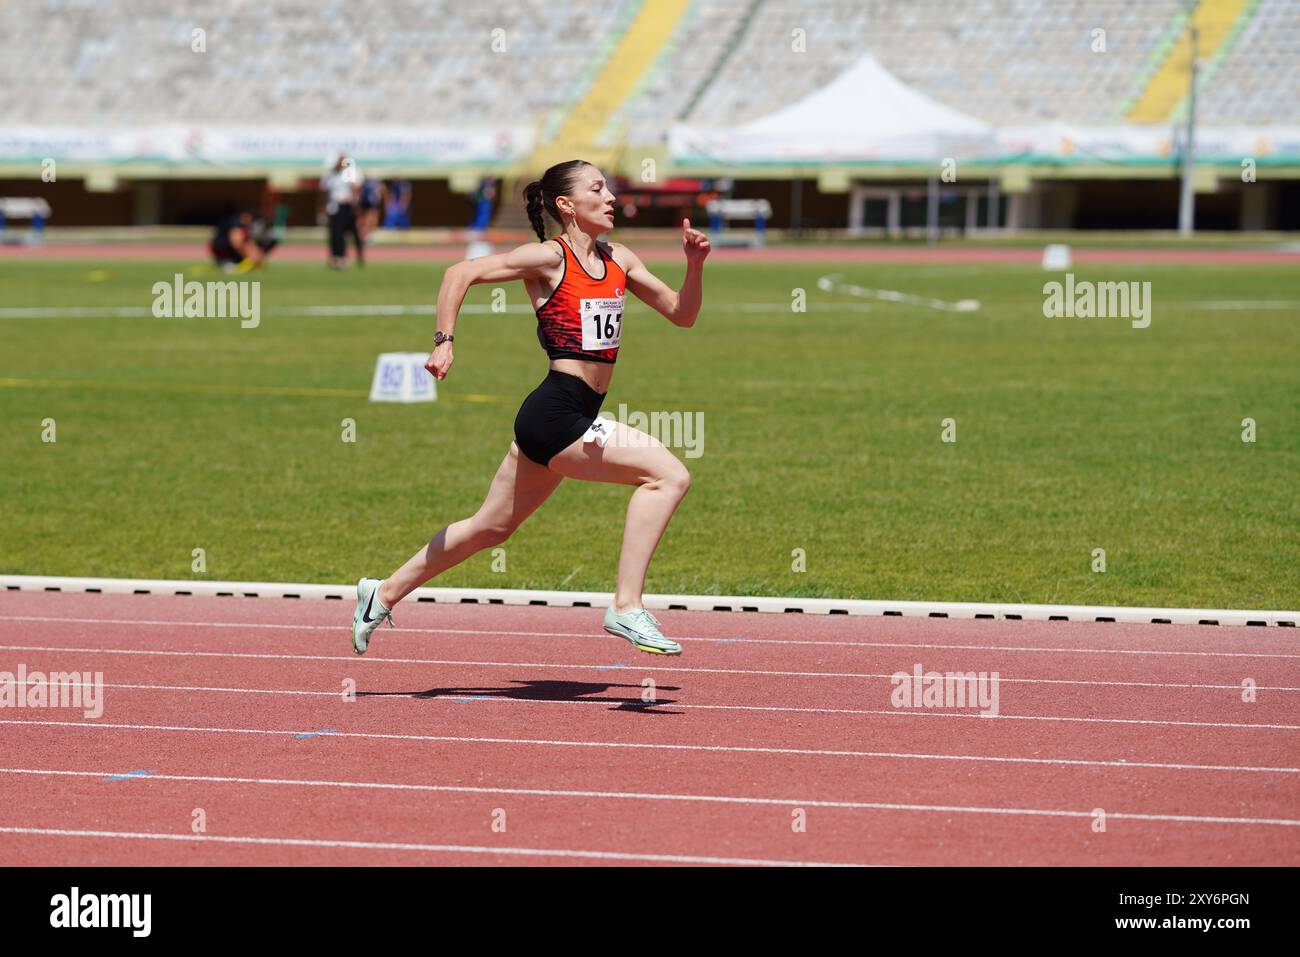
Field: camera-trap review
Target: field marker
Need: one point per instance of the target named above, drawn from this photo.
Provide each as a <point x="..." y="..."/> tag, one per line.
<point x="830" y="284"/>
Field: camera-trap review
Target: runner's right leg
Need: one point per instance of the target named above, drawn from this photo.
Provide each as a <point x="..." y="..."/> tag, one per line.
<point x="632" y="457"/>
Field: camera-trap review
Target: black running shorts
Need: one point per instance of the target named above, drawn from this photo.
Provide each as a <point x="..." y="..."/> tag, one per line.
<point x="555" y="415"/>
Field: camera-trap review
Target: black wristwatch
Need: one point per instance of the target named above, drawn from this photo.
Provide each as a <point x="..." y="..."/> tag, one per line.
<point x="440" y="337"/>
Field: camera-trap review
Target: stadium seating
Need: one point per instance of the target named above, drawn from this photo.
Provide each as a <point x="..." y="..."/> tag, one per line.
<point x="431" y="62"/>
<point x="297" y="61"/>
<point x="1256" y="81"/>
<point x="1004" y="61"/>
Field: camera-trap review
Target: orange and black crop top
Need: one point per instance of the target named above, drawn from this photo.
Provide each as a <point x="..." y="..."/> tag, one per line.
<point x="583" y="319"/>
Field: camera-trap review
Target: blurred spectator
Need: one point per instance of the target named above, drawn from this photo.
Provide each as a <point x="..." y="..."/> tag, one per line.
<point x="483" y="201"/>
<point x="372" y="198"/>
<point x="397" y="213"/>
<point x="342" y="189"/>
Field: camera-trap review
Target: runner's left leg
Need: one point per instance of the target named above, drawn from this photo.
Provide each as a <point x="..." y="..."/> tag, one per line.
<point x="517" y="490"/>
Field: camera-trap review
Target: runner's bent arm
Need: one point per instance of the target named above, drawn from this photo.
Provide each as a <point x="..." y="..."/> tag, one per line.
<point x="530" y="261"/>
<point x="680" y="308"/>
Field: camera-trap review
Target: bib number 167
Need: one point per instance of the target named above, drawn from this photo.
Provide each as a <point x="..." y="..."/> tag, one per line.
<point x="602" y="324"/>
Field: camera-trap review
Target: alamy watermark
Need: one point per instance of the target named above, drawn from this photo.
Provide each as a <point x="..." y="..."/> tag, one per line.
<point x="76" y="909"/>
<point x="57" y="689"/>
<point x="1101" y="300"/>
<point x="949" y="689"/>
<point x="179" y="299"/>
<point x="674" y="429"/>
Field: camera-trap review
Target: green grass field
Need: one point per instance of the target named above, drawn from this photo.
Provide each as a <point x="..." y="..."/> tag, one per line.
<point x="822" y="433"/>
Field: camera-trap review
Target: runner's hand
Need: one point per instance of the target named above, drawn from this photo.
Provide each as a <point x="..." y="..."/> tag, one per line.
<point x="439" y="361"/>
<point x="694" y="243"/>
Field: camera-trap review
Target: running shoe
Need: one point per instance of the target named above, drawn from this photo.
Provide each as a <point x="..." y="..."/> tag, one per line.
<point x="642" y="629"/>
<point x="368" y="616"/>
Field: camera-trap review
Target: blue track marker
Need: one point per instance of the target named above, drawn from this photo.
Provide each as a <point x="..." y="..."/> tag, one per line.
<point x="312" y="734"/>
<point x="128" y="776"/>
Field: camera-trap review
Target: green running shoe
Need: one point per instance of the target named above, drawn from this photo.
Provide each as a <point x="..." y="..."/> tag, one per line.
<point x="642" y="629"/>
<point x="368" y="615"/>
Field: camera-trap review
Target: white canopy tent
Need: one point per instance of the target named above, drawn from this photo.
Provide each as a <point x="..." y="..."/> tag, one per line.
<point x="865" y="115"/>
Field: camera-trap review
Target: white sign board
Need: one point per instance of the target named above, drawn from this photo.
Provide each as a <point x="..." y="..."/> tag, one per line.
<point x="1056" y="256"/>
<point x="477" y="249"/>
<point x="401" y="377"/>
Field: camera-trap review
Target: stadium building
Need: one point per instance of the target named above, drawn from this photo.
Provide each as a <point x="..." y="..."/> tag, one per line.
<point x="874" y="118"/>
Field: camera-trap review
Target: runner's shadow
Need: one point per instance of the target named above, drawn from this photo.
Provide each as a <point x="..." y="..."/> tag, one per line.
<point x="547" y="691"/>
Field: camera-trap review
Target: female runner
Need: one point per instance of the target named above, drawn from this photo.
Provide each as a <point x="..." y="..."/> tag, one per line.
<point x="577" y="286"/>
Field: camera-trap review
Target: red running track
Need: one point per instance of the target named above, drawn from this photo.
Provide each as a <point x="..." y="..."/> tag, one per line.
<point x="485" y="734"/>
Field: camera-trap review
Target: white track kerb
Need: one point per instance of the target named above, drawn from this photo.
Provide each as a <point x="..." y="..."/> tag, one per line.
<point x="596" y="599"/>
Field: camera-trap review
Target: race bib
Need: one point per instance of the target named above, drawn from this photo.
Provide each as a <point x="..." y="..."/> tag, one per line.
<point x="602" y="324"/>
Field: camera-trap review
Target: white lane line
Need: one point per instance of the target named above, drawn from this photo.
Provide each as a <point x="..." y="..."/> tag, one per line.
<point x="657" y="746"/>
<point x="519" y="699"/>
<point x="656" y="796"/>
<point x="1164" y="685"/>
<point x="487" y="633"/>
<point x="1245" y="304"/>
<point x="73" y="312"/>
<point x="825" y="283"/>
<point x="363" y="309"/>
<point x="545" y="666"/>
<point x="425" y="848"/>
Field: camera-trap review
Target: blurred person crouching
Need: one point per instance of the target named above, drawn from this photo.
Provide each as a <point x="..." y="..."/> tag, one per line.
<point x="241" y="241"/>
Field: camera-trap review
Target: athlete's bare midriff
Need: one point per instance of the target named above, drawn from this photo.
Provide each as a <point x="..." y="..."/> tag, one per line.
<point x="595" y="374"/>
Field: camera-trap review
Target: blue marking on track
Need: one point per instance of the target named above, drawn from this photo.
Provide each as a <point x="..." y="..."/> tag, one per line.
<point x="312" y="734"/>
<point x="723" y="641"/>
<point x="608" y="667"/>
<point x="128" y="776"/>
<point x="473" y="697"/>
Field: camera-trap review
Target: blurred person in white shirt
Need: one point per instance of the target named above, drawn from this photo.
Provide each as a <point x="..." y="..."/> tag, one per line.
<point x="342" y="189"/>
